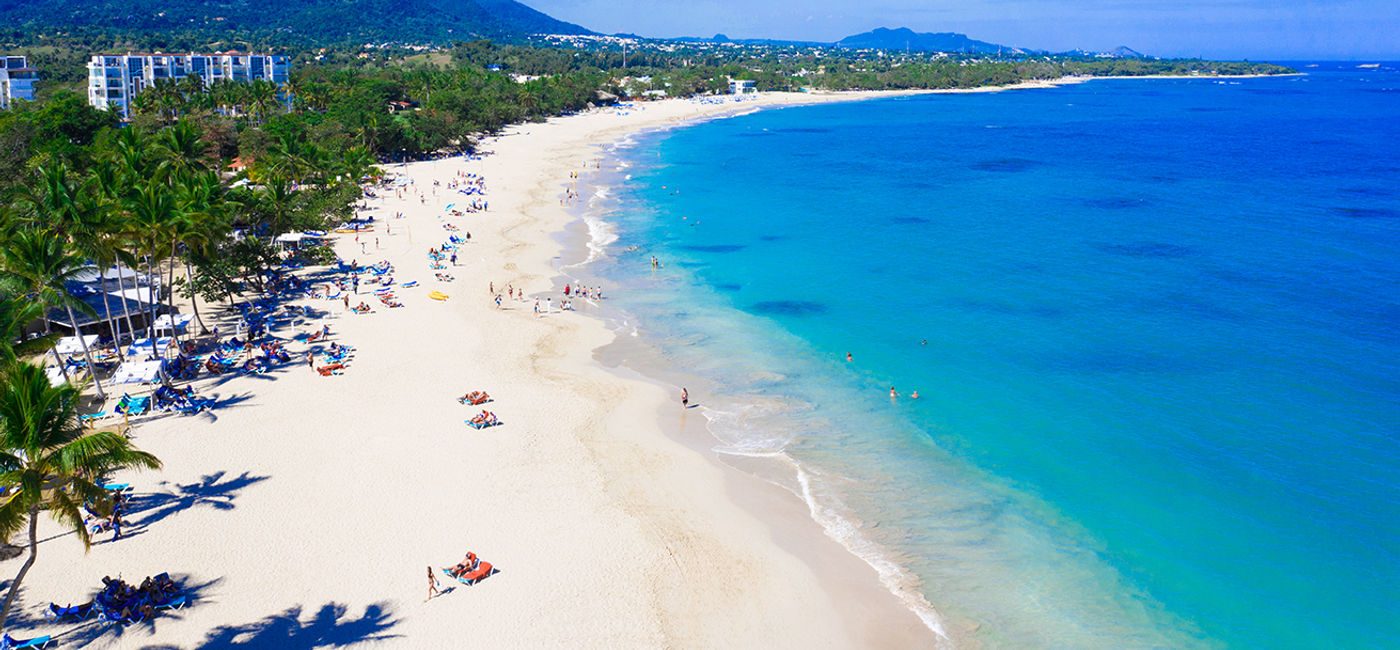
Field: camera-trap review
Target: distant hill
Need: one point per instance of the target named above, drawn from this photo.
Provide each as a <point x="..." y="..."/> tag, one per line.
<point x="902" y="38"/>
<point x="315" y="21"/>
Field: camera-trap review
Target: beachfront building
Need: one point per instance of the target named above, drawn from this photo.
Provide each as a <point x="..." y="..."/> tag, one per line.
<point x="114" y="79"/>
<point x="16" y="80"/>
<point x="741" y="87"/>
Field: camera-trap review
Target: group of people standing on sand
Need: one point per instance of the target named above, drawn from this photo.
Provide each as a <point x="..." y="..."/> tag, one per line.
<point x="583" y="292"/>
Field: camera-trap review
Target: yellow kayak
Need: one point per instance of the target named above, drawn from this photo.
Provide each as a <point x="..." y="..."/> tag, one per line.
<point x="438" y="295"/>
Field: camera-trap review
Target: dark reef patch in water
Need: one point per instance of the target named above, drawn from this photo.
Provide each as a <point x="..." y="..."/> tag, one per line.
<point x="1005" y="165"/>
<point x="715" y="248"/>
<point x="1366" y="213"/>
<point x="726" y="286"/>
<point x="1007" y="309"/>
<point x="1147" y="250"/>
<point x="1368" y="191"/>
<point x="1115" y="204"/>
<point x="789" y="308"/>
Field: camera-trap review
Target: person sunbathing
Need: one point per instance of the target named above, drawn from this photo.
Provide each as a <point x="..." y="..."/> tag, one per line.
<point x="467" y="564"/>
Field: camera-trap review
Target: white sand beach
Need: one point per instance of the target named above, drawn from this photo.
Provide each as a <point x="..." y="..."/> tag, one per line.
<point x="305" y="510"/>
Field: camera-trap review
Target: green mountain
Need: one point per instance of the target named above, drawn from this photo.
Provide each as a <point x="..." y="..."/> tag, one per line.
<point x="905" y="38"/>
<point x="296" y="21"/>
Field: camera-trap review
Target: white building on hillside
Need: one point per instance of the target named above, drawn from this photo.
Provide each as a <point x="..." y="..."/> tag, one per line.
<point x="114" y="79"/>
<point x="741" y="87"/>
<point x="16" y="80"/>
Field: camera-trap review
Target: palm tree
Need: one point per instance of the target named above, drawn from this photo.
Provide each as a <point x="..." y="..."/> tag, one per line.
<point x="37" y="263"/>
<point x="78" y="214"/>
<point x="262" y="98"/>
<point x="15" y="315"/>
<point x="48" y="462"/>
<point x="278" y="202"/>
<point x="108" y="184"/>
<point x="152" y="209"/>
<point x="183" y="148"/>
<point x="201" y="224"/>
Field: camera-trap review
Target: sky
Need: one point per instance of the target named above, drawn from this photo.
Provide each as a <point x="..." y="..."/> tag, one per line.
<point x="1218" y="29"/>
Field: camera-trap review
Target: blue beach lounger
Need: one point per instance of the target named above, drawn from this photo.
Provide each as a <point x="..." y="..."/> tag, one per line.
<point x="80" y="612"/>
<point x="37" y="642"/>
<point x="174" y="603"/>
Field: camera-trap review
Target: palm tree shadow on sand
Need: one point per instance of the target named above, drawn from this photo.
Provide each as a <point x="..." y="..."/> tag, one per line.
<point x="328" y="627"/>
<point x="212" y="491"/>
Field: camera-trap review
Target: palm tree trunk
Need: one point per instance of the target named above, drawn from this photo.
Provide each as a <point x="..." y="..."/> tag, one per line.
<point x="194" y="298"/>
<point x="87" y="355"/>
<point x="113" y="324"/>
<point x="33" y="551"/>
<point x="62" y="367"/>
<point x="126" y="306"/>
<point x="154" y="302"/>
<point x="170" y="300"/>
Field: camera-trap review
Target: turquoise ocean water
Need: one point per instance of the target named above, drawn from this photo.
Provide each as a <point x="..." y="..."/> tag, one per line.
<point x="1154" y="326"/>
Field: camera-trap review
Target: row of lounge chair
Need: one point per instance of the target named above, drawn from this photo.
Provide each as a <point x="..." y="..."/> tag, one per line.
<point x="129" y="405"/>
<point x="183" y="401"/>
<point x="120" y="603"/>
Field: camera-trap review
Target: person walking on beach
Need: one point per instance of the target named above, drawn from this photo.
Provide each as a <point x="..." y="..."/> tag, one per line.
<point x="454" y="258"/>
<point x="685" y="398"/>
<point x="432" y="584"/>
<point x="311" y="360"/>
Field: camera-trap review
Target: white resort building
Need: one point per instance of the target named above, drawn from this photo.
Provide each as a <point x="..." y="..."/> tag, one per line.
<point x="16" y="80"/>
<point x="114" y="79"/>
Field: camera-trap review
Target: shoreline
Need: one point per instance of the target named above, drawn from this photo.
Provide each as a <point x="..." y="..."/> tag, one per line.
<point x="866" y="604"/>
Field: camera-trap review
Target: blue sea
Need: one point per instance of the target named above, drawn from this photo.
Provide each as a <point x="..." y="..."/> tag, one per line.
<point x="1154" y="327"/>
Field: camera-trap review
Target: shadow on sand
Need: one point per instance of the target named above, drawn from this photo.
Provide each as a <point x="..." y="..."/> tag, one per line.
<point x="328" y="627"/>
<point x="213" y="491"/>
